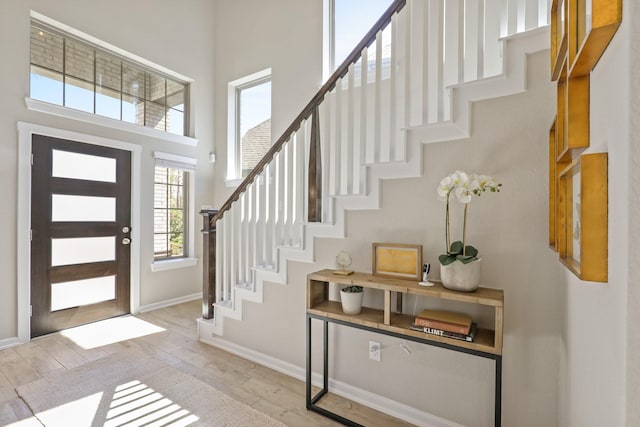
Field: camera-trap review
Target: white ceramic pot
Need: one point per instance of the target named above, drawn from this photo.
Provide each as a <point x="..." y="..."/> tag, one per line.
<point x="351" y="302"/>
<point x="461" y="277"/>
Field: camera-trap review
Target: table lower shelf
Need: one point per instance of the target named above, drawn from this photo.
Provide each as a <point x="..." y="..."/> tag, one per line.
<point x="374" y="318"/>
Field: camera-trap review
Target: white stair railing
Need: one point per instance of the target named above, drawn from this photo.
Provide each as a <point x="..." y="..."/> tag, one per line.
<point x="397" y="78"/>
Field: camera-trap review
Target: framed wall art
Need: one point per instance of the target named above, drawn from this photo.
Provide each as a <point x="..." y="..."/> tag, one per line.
<point x="583" y="225"/>
<point x="397" y="261"/>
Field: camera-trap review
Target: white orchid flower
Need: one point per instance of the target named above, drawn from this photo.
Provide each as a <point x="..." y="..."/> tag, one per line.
<point x="463" y="194"/>
<point x="464" y="186"/>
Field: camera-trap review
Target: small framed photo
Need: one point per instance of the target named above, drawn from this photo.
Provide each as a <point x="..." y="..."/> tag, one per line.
<point x="397" y="261"/>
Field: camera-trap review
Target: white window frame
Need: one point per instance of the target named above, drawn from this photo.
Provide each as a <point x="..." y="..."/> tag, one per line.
<point x="329" y="40"/>
<point x="107" y="122"/>
<point x="234" y="170"/>
<point x="187" y="164"/>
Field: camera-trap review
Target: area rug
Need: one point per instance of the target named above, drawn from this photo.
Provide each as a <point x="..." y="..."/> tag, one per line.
<point x="134" y="390"/>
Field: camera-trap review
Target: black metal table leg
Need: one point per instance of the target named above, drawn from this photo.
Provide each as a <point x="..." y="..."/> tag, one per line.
<point x="326" y="356"/>
<point x="498" y="397"/>
<point x="308" y="362"/>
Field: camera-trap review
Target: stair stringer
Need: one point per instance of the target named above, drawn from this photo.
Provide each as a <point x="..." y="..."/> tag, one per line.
<point x="512" y="81"/>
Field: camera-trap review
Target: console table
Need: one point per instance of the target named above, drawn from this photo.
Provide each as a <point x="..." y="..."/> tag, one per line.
<point x="487" y="343"/>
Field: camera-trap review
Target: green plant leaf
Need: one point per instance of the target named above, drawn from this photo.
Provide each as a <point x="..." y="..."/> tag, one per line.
<point x="471" y="251"/>
<point x="466" y="259"/>
<point x="456" y="248"/>
<point x="446" y="259"/>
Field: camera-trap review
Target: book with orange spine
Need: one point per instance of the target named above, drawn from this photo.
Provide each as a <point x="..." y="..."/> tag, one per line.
<point x="458" y="323"/>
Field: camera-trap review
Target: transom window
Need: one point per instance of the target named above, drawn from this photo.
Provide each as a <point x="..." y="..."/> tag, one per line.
<point x="170" y="212"/>
<point x="69" y="72"/>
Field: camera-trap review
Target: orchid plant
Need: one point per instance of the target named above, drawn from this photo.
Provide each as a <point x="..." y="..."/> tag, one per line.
<point x="463" y="186"/>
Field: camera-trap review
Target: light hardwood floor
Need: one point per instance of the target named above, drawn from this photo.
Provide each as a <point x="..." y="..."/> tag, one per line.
<point x="275" y="394"/>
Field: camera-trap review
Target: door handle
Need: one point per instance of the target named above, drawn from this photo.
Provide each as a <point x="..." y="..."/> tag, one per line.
<point x="126" y="229"/>
<point x="126" y="241"/>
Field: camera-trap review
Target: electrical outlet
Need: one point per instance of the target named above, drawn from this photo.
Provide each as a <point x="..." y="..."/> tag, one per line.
<point x="374" y="350"/>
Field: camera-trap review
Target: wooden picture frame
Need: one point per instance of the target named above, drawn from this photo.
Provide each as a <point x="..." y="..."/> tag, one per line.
<point x="553" y="186"/>
<point x="555" y="166"/>
<point x="558" y="36"/>
<point x="580" y="33"/>
<point x="592" y="25"/>
<point x="397" y="261"/>
<point x="583" y="222"/>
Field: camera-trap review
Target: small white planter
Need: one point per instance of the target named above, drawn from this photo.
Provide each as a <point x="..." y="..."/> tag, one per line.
<point x="461" y="277"/>
<point x="351" y="302"/>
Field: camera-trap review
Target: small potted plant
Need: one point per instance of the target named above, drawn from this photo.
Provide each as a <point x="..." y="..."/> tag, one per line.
<point x="351" y="298"/>
<point x="460" y="265"/>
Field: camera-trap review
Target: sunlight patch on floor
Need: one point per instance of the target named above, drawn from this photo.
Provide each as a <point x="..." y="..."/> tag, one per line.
<point x="110" y="331"/>
<point x="135" y="404"/>
<point x="81" y="411"/>
<point x="29" y="422"/>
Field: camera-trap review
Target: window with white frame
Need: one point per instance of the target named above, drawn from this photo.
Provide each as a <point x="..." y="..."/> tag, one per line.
<point x="345" y="24"/>
<point x="74" y="73"/>
<point x="172" y="202"/>
<point x="249" y="123"/>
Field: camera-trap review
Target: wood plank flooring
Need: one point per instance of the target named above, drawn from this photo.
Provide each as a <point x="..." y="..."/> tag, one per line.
<point x="275" y="394"/>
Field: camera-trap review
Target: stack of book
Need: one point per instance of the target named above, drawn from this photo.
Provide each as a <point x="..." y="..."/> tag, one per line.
<point x="446" y="324"/>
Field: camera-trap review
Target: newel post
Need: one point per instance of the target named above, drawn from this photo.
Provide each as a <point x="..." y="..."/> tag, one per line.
<point x="208" y="263"/>
<point x="315" y="171"/>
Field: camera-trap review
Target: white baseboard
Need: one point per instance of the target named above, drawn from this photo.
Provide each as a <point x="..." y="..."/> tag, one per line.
<point x="377" y="402"/>
<point x="170" y="302"/>
<point x="9" y="342"/>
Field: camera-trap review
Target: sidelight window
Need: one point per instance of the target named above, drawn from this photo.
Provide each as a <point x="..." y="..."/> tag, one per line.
<point x="170" y="213"/>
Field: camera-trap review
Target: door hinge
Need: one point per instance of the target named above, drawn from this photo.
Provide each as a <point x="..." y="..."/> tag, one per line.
<point x="31" y="235"/>
<point x="30" y="311"/>
<point x="31" y="159"/>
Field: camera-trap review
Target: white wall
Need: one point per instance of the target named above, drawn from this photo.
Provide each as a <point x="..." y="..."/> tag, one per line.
<point x="594" y="334"/>
<point x="510" y="142"/>
<point x="251" y="35"/>
<point x="175" y="35"/>
<point x="632" y="14"/>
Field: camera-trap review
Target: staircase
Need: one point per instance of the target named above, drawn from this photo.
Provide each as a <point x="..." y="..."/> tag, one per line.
<point x="408" y="82"/>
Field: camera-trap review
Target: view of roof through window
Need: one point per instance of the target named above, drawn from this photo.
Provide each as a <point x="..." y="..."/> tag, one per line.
<point x="69" y="72"/>
<point x="254" y="107"/>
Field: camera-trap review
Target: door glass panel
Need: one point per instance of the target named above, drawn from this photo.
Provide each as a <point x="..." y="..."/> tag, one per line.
<point x="83" y="208"/>
<point x="83" y="166"/>
<point x="82" y="292"/>
<point x="82" y="250"/>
